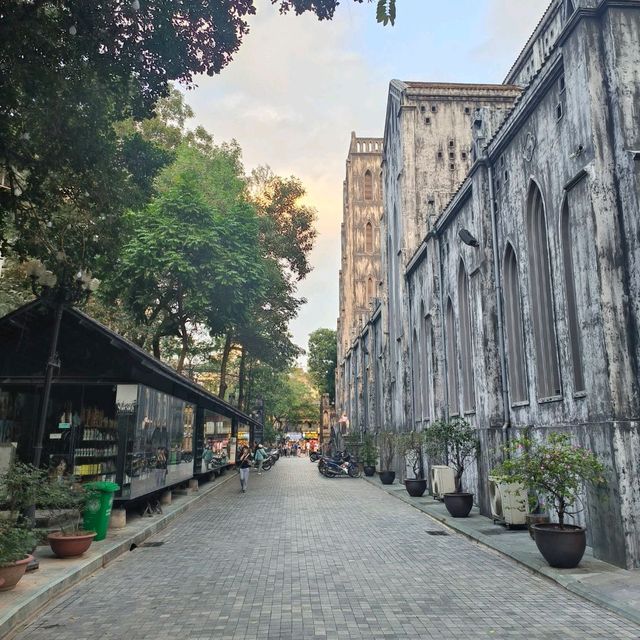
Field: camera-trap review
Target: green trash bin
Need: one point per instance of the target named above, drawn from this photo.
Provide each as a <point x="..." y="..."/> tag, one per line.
<point x="98" y="507"/>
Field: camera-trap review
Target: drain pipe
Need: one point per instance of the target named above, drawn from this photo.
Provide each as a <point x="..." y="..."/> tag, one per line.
<point x="445" y="384"/>
<point x="506" y="424"/>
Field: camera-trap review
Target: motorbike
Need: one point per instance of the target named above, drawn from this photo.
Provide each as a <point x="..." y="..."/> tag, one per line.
<point x="334" y="469"/>
<point x="339" y="458"/>
<point x="314" y="456"/>
<point x="269" y="461"/>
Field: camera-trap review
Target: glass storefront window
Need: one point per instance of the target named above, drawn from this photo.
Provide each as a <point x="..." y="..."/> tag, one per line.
<point x="158" y="431"/>
<point x="217" y="434"/>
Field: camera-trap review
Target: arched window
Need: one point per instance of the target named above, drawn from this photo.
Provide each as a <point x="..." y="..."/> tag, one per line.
<point x="368" y="238"/>
<point x="570" y="296"/>
<point x="452" y="360"/>
<point x="466" y="348"/>
<point x="513" y="325"/>
<point x="416" y="378"/>
<point x="370" y="289"/>
<point x="544" y="330"/>
<point x="368" y="185"/>
<point x="427" y="356"/>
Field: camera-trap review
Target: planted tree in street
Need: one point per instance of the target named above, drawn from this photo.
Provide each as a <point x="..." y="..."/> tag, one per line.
<point x="322" y="360"/>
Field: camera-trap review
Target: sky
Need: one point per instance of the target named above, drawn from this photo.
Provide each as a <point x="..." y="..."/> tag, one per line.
<point x="298" y="87"/>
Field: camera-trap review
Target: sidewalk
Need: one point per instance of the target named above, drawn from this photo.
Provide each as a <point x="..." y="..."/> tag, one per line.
<point x="609" y="586"/>
<point x="55" y="576"/>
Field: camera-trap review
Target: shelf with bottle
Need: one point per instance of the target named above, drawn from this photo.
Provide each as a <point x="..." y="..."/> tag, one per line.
<point x="95" y="468"/>
<point x="95" y="418"/>
<point x="94" y="452"/>
<point x="99" y="434"/>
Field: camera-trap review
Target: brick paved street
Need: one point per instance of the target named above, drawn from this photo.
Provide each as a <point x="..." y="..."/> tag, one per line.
<point x="301" y="556"/>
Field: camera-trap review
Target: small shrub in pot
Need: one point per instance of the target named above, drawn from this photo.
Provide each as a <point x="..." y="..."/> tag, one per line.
<point x="411" y="446"/>
<point x="387" y="441"/>
<point x="558" y="471"/>
<point x="369" y="454"/>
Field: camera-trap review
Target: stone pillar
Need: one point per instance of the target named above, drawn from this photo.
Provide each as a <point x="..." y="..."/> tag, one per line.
<point x="118" y="519"/>
<point x="165" y="497"/>
<point x="193" y="485"/>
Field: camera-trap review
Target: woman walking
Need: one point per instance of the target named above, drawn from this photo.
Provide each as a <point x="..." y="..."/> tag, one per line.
<point x="244" y="465"/>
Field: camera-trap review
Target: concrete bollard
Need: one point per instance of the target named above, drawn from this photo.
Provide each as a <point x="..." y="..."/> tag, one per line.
<point x="165" y="497"/>
<point x="193" y="485"/>
<point x="118" y="519"/>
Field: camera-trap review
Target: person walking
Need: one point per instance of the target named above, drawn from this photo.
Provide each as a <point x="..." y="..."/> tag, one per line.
<point x="244" y="465"/>
<point x="260" y="456"/>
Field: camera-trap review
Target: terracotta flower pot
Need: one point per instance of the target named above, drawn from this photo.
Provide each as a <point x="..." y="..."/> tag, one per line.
<point x="10" y="574"/>
<point x="415" y="487"/>
<point x="458" y="504"/>
<point x="70" y="546"/>
<point x="561" y="547"/>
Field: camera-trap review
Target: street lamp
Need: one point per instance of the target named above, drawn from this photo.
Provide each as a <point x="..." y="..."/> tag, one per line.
<point x="57" y="292"/>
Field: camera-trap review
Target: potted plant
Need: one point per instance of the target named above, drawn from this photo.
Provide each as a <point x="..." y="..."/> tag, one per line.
<point x="369" y="454"/>
<point x="455" y="442"/>
<point x="65" y="498"/>
<point x="19" y="489"/>
<point x="387" y="444"/>
<point x="16" y="544"/>
<point x="411" y="446"/>
<point x="558" y="471"/>
<point x="537" y="513"/>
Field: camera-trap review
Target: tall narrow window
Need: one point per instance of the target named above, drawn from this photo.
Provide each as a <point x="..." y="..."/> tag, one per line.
<point x="416" y="378"/>
<point x="368" y="185"/>
<point x="466" y="348"/>
<point x="427" y="354"/>
<point x="513" y="324"/>
<point x="368" y="238"/>
<point x="370" y="289"/>
<point x="544" y="330"/>
<point x="570" y="296"/>
<point x="452" y="360"/>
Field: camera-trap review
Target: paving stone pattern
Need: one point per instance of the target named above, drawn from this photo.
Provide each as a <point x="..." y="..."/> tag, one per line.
<point x="301" y="556"/>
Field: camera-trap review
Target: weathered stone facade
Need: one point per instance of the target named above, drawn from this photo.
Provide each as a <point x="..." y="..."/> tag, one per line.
<point x="516" y="303"/>
<point x="360" y="278"/>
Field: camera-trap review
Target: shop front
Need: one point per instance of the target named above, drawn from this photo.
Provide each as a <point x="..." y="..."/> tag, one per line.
<point x="115" y="413"/>
<point x="311" y="440"/>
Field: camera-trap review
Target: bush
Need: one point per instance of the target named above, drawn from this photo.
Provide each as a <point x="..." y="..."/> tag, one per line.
<point x="555" y="469"/>
<point x="411" y="445"/>
<point x="387" y="441"/>
<point x="15" y="542"/>
<point x="369" y="451"/>
<point x="454" y="442"/>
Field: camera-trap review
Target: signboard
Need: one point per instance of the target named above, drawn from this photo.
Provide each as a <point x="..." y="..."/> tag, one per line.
<point x="310" y="435"/>
<point x="293" y="435"/>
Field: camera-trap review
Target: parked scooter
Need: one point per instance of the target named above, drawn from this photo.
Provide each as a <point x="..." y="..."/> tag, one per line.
<point x="335" y="469"/>
<point x="269" y="461"/>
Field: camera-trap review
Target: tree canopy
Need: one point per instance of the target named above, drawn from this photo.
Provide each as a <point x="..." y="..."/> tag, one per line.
<point x="322" y="360"/>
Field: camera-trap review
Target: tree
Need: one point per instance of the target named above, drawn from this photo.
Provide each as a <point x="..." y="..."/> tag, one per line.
<point x="322" y="361"/>
<point x="191" y="257"/>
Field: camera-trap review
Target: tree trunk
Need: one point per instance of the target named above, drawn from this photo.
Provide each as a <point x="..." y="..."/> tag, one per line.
<point x="156" y="346"/>
<point x="228" y="343"/>
<point x="247" y="403"/>
<point x="241" y="375"/>
<point x="184" y="335"/>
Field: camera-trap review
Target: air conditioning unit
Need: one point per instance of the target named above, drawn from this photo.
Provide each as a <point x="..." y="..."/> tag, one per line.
<point x="443" y="481"/>
<point x="509" y="502"/>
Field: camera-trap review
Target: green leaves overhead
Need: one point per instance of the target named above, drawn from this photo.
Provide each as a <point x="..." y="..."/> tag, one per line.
<point x="386" y="12"/>
<point x="322" y="360"/>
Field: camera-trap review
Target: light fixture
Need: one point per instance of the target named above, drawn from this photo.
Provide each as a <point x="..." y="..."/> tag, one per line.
<point x="468" y="238"/>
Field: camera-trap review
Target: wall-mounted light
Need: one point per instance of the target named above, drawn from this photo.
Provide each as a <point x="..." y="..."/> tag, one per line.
<point x="468" y="238"/>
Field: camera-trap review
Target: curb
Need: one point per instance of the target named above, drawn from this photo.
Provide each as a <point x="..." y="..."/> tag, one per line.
<point x="22" y="611"/>
<point x="570" y="582"/>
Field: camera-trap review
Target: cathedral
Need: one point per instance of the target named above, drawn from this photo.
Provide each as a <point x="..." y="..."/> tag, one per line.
<point x="489" y="248"/>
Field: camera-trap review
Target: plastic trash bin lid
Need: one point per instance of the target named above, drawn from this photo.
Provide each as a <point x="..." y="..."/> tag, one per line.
<point x="105" y="486"/>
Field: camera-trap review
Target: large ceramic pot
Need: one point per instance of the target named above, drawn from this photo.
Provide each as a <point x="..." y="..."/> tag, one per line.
<point x="387" y="477"/>
<point x="458" y="504"/>
<point x="70" y="546"/>
<point x="10" y="574"/>
<point x="561" y="547"/>
<point x="415" y="487"/>
<point x="369" y="470"/>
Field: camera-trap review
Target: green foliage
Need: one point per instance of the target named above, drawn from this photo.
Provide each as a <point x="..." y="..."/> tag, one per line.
<point x="554" y="468"/>
<point x="322" y="360"/>
<point x="411" y="445"/>
<point x="386" y="12"/>
<point x="369" y="451"/>
<point x="454" y="442"/>
<point x="15" y="543"/>
<point x="14" y="285"/>
<point x="387" y="443"/>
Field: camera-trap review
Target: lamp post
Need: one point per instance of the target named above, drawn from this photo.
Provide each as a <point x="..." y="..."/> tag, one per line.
<point x="58" y="293"/>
